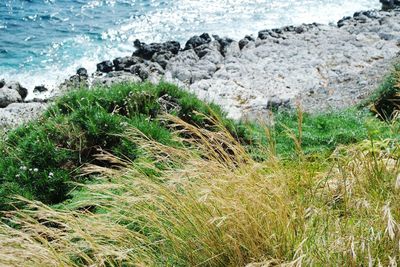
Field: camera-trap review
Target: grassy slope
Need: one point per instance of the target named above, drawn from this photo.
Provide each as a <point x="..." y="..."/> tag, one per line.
<point x="40" y="157"/>
<point x="277" y="196"/>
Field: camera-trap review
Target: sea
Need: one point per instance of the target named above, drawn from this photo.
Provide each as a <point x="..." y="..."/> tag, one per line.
<point x="43" y="42"/>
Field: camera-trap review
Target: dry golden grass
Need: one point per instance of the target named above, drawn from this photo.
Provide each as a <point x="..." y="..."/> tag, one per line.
<point x="208" y="203"/>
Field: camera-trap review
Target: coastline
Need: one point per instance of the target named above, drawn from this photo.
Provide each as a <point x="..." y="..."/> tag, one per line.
<point x="322" y="66"/>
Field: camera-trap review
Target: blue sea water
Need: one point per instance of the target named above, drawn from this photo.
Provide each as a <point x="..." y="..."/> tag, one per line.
<point x="45" y="41"/>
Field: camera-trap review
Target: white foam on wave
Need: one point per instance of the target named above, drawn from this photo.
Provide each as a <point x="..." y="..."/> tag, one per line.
<point x="54" y="70"/>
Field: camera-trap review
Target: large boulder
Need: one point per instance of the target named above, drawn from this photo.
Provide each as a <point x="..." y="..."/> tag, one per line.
<point x="147" y="51"/>
<point x="196" y="41"/>
<point x="11" y="92"/>
<point x="389" y="4"/>
<point x="16" y="86"/>
<point x="124" y="63"/>
<point x="82" y="72"/>
<point x="8" y="96"/>
<point x="105" y="66"/>
<point x="17" y="113"/>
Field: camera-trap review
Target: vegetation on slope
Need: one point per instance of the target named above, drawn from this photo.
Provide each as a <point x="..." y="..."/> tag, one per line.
<point x="218" y="207"/>
<point x="170" y="181"/>
<point x="42" y="158"/>
<point x="385" y="101"/>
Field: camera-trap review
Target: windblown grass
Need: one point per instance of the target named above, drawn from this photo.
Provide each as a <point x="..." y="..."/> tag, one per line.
<point x="211" y="204"/>
<point x="175" y="183"/>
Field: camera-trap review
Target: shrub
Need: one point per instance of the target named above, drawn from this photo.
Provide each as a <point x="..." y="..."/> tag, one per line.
<point x="40" y="158"/>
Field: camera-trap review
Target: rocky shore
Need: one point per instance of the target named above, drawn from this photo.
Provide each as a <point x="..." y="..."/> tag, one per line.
<point x="322" y="67"/>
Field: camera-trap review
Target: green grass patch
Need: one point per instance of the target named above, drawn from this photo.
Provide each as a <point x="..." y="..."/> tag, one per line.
<point x="41" y="157"/>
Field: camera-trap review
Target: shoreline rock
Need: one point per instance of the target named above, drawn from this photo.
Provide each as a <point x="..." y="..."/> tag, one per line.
<point x="389" y="4"/>
<point x="322" y="66"/>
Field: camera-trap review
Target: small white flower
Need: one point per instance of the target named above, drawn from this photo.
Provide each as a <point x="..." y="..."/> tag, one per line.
<point x="51" y="174"/>
<point x="17" y="176"/>
<point x="23" y="168"/>
<point x="35" y="170"/>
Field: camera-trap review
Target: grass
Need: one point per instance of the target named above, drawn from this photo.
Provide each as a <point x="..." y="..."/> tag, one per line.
<point x="42" y="157"/>
<point x="158" y="178"/>
<point x="219" y="207"/>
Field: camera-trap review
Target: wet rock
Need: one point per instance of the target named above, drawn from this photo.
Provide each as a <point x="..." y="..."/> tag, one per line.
<point x="122" y="63"/>
<point x="224" y="43"/>
<point x="2" y="83"/>
<point x="264" y="34"/>
<point x="40" y="89"/>
<point x="247" y="39"/>
<point x="82" y="72"/>
<point x="196" y="41"/>
<point x="389" y="4"/>
<point x="203" y="50"/>
<point x="343" y="21"/>
<point x="147" y="51"/>
<point x="299" y="29"/>
<point x="105" y="66"/>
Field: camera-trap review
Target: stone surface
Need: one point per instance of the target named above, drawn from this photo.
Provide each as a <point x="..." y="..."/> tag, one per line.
<point x="79" y="80"/>
<point x="196" y="41"/>
<point x="16" y="86"/>
<point x="114" y="77"/>
<point x="389" y="4"/>
<point x="105" y="66"/>
<point x="147" y="51"/>
<point x="17" y="113"/>
<point x="8" y="96"/>
<point x="40" y="89"/>
<point x="339" y="65"/>
<point x="82" y="72"/>
<point x="247" y="39"/>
